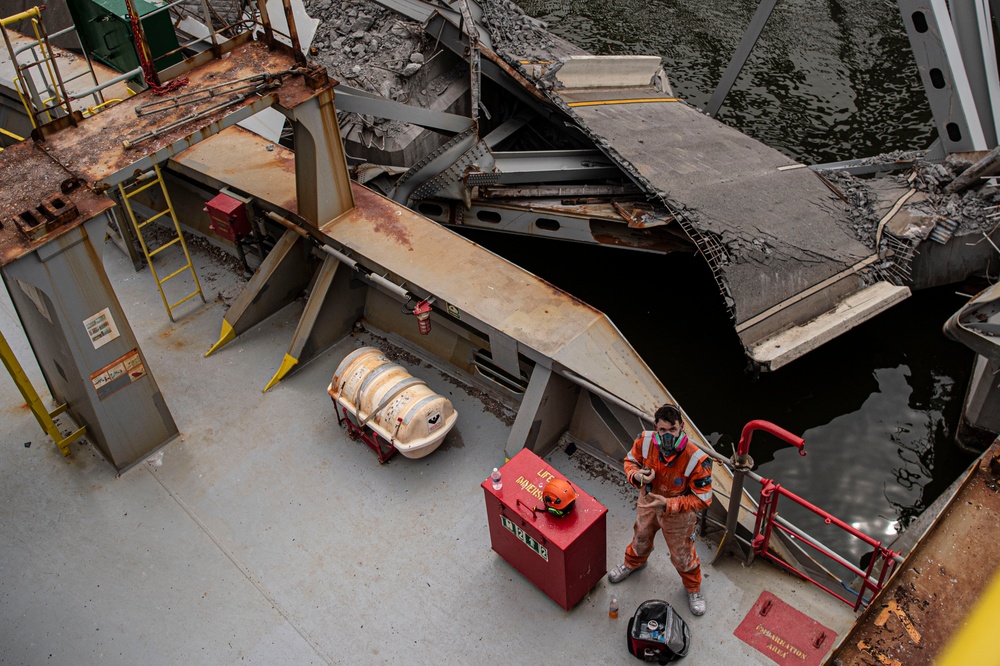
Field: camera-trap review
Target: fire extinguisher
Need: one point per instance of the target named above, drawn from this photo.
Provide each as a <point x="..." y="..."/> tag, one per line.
<point x="423" y="314"/>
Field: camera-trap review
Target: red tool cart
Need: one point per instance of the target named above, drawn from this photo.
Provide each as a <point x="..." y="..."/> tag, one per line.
<point x="563" y="556"/>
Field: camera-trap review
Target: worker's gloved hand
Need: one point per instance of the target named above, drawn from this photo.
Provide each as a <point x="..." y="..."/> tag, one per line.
<point x="673" y="505"/>
<point x="643" y="476"/>
<point x="654" y="501"/>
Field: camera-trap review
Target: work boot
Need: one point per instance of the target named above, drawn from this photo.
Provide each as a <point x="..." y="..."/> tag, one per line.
<point x="621" y="572"/>
<point x="696" y="602"/>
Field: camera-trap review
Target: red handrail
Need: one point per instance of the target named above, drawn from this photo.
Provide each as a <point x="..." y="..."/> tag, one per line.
<point x="744" y="446"/>
<point x="768" y="508"/>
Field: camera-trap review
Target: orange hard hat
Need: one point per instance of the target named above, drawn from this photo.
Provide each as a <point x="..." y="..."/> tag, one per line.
<point x="558" y="494"/>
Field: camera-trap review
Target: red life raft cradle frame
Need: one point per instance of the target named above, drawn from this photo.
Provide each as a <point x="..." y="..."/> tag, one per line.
<point x="382" y="448"/>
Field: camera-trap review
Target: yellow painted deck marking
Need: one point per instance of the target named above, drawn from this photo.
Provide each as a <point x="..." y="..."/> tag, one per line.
<point x="641" y="100"/>
<point x="891" y="607"/>
<point x="888" y="661"/>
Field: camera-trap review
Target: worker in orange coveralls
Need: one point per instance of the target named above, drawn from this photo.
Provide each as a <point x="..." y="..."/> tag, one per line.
<point x="675" y="481"/>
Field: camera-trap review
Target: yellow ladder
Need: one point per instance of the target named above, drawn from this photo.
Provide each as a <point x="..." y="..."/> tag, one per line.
<point x="139" y="185"/>
<point x="42" y="415"/>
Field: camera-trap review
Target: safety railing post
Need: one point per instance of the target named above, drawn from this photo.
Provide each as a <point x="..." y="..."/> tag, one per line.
<point x="743" y="463"/>
<point x="767" y="509"/>
<point x="768" y="520"/>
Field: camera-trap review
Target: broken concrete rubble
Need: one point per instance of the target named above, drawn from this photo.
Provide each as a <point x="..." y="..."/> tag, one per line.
<point x="973" y="211"/>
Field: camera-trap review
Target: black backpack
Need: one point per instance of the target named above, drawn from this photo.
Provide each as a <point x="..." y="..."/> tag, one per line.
<point x="657" y="633"/>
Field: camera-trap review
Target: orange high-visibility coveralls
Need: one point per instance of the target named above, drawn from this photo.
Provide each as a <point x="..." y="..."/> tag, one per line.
<point x="685" y="479"/>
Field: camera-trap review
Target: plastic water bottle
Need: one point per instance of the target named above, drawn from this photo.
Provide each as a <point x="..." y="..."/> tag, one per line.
<point x="613" y="608"/>
<point x="495" y="477"/>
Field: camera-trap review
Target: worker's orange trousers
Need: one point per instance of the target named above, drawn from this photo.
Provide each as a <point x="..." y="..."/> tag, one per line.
<point x="678" y="531"/>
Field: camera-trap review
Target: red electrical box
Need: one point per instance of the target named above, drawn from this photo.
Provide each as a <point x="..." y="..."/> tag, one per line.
<point x="229" y="217"/>
<point x="563" y="556"/>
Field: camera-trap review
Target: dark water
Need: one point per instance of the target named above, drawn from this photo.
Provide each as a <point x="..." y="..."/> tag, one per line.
<point x="828" y="80"/>
<point x="878" y="406"/>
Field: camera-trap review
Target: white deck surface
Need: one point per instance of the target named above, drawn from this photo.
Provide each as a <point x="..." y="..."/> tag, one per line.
<point x="263" y="535"/>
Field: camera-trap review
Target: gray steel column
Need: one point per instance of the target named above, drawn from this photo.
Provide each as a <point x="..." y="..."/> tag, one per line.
<point x="85" y="347"/>
<point x="544" y="414"/>
<point x="329" y="315"/>
<point x="972" y="27"/>
<point x="278" y="281"/>
<point x="936" y="51"/>
<point x="322" y="181"/>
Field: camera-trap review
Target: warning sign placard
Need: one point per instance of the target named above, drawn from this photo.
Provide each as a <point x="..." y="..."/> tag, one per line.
<point x="101" y="328"/>
<point x="118" y="374"/>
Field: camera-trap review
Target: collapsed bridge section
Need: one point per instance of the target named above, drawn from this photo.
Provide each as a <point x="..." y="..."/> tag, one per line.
<point x="596" y="149"/>
<point x="779" y="238"/>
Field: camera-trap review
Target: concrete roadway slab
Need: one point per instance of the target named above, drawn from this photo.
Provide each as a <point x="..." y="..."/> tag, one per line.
<point x="794" y="231"/>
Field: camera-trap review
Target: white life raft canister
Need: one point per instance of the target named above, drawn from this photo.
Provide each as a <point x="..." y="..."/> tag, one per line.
<point x="383" y="396"/>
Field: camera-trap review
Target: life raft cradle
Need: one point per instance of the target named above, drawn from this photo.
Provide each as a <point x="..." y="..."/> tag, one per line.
<point x="384" y="449"/>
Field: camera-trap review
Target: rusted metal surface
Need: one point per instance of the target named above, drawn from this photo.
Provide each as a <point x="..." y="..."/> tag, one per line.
<point x="29" y="179"/>
<point x="643" y="216"/>
<point x="925" y="604"/>
<point x="648" y="243"/>
<point x="263" y="168"/>
<point x="94" y="151"/>
<point x="407" y="244"/>
<point x="427" y="259"/>
<point x="50" y="214"/>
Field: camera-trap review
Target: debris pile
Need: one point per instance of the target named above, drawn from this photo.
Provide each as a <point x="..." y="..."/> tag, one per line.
<point x="975" y="210"/>
<point x="859" y="202"/>
<point x="524" y="42"/>
<point x="375" y="49"/>
<point x="367" y="45"/>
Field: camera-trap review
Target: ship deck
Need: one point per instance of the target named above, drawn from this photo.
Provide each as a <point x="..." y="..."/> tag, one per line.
<point x="262" y="534"/>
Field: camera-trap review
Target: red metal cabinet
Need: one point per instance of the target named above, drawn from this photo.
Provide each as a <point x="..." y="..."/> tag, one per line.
<point x="564" y="557"/>
<point x="229" y="217"/>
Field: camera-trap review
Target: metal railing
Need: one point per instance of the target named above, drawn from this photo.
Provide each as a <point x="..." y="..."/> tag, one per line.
<point x="767" y="520"/>
<point x="767" y="523"/>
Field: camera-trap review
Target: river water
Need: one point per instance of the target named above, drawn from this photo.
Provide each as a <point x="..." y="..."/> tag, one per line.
<point x="878" y="407"/>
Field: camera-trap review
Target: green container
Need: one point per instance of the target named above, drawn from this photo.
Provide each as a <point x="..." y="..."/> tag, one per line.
<point x="106" y="32"/>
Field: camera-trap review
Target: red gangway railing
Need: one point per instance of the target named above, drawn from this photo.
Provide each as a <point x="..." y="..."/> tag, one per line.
<point x="767" y="520"/>
<point x="767" y="523"/>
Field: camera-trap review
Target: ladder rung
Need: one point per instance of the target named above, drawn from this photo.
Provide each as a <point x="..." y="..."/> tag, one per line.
<point x="141" y="189"/>
<point x="175" y="273"/>
<point x="153" y="177"/>
<point x="154" y="218"/>
<point x="164" y="246"/>
<point x="186" y="298"/>
<point x="34" y="63"/>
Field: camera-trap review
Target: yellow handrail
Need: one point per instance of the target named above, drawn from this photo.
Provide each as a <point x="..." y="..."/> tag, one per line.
<point x="34" y="12"/>
<point x="91" y="110"/>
